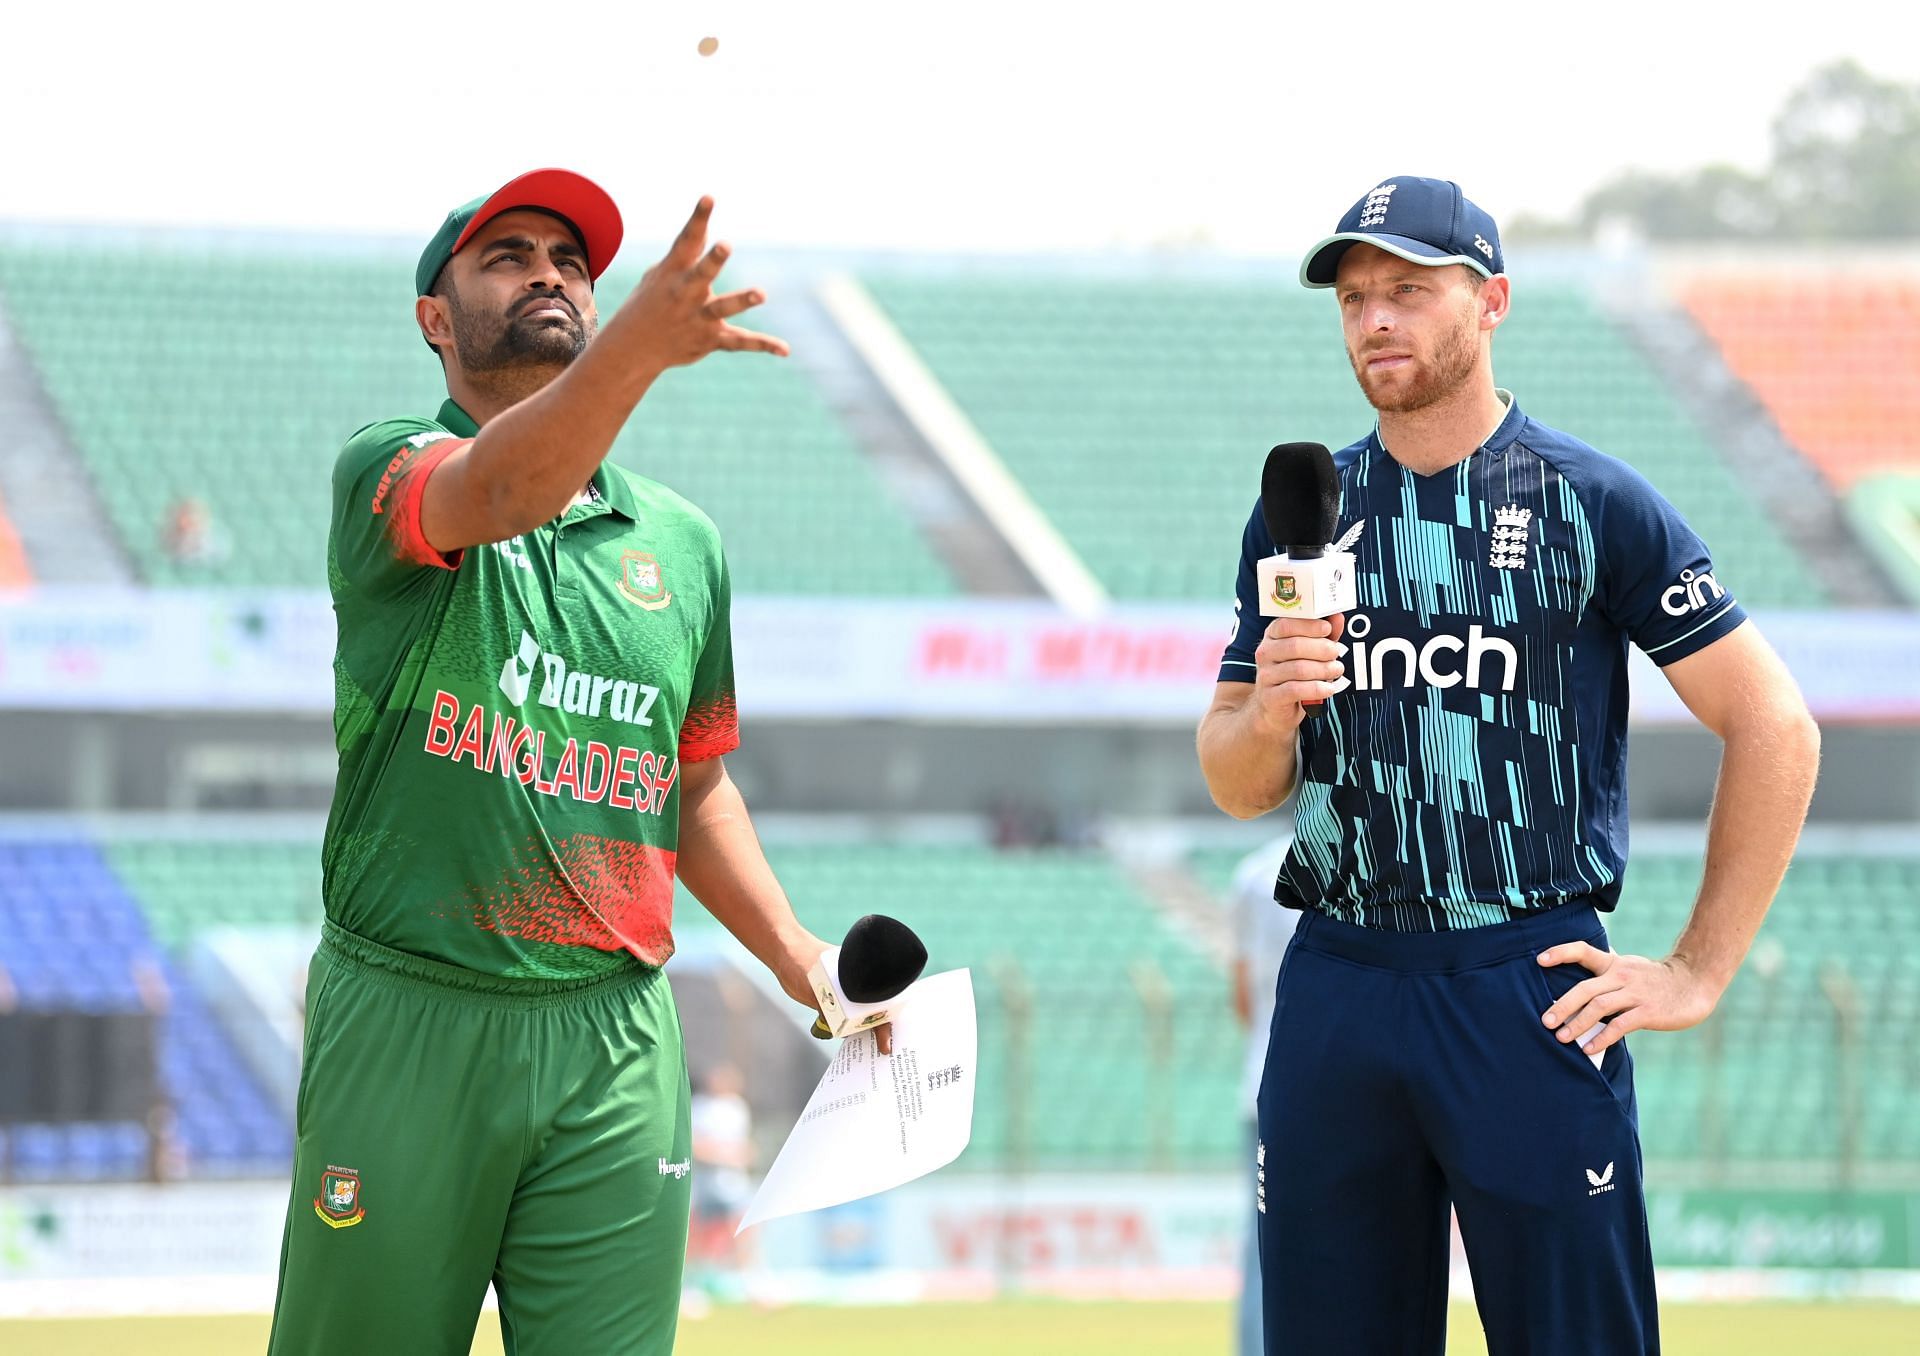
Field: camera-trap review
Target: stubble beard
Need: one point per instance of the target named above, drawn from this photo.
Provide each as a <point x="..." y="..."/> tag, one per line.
<point x="1449" y="370"/>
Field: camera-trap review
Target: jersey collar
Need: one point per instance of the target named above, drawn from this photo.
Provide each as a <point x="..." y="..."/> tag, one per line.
<point x="1504" y="433"/>
<point x="1509" y="428"/>
<point x="456" y="421"/>
<point x="613" y="489"/>
<point x="616" y="493"/>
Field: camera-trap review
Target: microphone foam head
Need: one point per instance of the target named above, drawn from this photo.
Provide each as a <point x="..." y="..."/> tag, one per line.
<point x="879" y="958"/>
<point x="1300" y="495"/>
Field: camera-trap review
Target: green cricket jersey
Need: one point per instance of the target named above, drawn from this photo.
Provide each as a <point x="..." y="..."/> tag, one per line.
<point x="512" y="718"/>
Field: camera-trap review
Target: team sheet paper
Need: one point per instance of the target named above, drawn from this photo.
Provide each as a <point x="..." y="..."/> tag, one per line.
<point x="876" y="1121"/>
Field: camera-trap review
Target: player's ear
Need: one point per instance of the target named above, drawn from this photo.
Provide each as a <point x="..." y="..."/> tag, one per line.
<point x="436" y="321"/>
<point x="1496" y="296"/>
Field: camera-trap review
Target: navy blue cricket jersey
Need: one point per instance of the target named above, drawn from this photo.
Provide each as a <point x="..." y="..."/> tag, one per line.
<point x="1476" y="769"/>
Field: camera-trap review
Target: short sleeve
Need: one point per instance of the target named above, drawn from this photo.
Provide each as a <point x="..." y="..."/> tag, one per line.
<point x="712" y="725"/>
<point x="1236" y="665"/>
<point x="1656" y="580"/>
<point x="378" y="485"/>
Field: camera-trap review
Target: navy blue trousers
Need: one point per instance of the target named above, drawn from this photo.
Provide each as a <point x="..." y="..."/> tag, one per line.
<point x="1410" y="1072"/>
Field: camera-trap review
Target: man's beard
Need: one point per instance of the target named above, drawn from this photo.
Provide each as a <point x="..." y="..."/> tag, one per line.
<point x="486" y="343"/>
<point x="1450" y="368"/>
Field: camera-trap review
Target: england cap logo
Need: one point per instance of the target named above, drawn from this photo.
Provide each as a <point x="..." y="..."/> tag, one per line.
<point x="1426" y="221"/>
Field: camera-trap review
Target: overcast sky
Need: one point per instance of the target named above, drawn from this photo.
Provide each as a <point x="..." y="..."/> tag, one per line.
<point x="969" y="126"/>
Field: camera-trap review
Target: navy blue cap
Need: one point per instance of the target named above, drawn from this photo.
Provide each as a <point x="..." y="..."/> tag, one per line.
<point x="1425" y="221"/>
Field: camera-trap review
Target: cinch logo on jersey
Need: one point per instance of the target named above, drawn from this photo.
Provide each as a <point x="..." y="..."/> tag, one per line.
<point x="577" y="693"/>
<point x="1690" y="594"/>
<point x="1372" y="671"/>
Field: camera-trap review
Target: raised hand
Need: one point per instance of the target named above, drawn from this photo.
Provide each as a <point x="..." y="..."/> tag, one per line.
<point x="677" y="309"/>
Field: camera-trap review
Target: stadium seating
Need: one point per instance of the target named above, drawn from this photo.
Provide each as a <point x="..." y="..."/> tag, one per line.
<point x="1064" y="927"/>
<point x="72" y="936"/>
<point x="1775" y="1075"/>
<point x="186" y="885"/>
<point x="1835" y="359"/>
<point x="1089" y="1078"/>
<point x="1138" y="413"/>
<point x="1884" y="511"/>
<point x="233" y="381"/>
<point x="1811" y="1059"/>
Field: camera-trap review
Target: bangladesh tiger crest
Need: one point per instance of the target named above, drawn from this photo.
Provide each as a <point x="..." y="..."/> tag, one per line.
<point x="642" y="582"/>
<point x="1285" y="592"/>
<point x="338" y="1204"/>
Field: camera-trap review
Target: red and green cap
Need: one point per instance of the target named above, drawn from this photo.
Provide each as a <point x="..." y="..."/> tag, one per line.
<point x="574" y="198"/>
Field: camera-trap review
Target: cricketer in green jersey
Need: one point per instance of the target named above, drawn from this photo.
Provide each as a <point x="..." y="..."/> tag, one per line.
<point x="534" y="680"/>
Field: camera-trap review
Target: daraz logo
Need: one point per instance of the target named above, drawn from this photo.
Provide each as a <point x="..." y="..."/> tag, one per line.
<point x="571" y="690"/>
<point x="414" y="444"/>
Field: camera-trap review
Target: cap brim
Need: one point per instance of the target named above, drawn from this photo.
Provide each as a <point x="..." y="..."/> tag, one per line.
<point x="1323" y="260"/>
<point x="585" y="204"/>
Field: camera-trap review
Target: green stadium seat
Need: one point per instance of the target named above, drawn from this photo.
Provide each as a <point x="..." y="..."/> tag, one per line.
<point x="1759" y="1086"/>
<point x="237" y="378"/>
<point x="1759" y="1082"/>
<point x="1070" y="379"/>
<point x="1067" y="924"/>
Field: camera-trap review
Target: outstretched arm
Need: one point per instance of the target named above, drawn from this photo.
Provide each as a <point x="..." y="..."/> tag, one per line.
<point x="527" y="464"/>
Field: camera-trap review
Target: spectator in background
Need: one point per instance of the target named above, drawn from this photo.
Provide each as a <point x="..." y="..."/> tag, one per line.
<point x="722" y="1154"/>
<point x="189" y="536"/>
<point x="1261" y="931"/>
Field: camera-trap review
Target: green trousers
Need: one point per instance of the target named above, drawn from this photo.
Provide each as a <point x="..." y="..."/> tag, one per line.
<point x="456" y="1128"/>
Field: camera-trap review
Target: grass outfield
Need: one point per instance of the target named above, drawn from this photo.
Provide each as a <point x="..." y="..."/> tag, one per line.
<point x="1021" y="1329"/>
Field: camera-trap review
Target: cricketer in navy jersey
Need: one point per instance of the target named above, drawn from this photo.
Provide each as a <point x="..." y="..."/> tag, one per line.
<point x="1447" y="1029"/>
<point x="1476" y="768"/>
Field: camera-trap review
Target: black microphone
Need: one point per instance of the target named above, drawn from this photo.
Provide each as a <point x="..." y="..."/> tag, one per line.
<point x="854" y="982"/>
<point x="1300" y="504"/>
<point x="1300" y="499"/>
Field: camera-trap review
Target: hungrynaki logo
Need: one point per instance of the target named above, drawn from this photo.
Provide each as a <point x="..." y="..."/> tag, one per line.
<point x="571" y="690"/>
<point x="1693" y="592"/>
<point x="1373" y="656"/>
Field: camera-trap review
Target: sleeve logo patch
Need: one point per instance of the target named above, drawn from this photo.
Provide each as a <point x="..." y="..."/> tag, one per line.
<point x="642" y="581"/>
<point x="386" y="478"/>
<point x="412" y="445"/>
<point x="1693" y="592"/>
